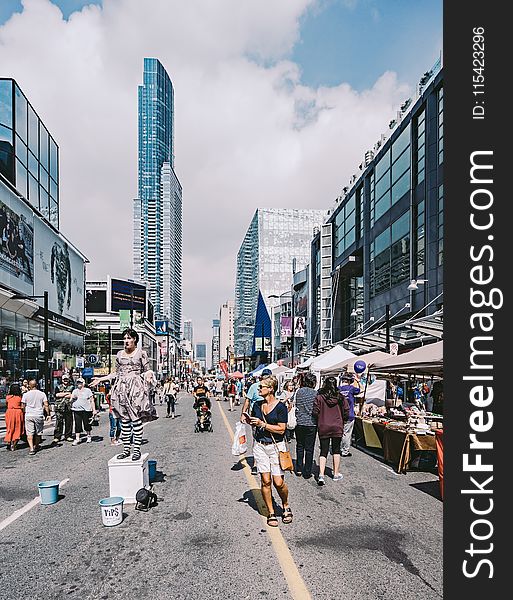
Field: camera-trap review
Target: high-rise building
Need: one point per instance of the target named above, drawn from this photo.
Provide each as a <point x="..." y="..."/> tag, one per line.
<point x="276" y="244"/>
<point x="226" y="346"/>
<point x="201" y="356"/>
<point x="215" y="343"/>
<point x="158" y="207"/>
<point x="188" y="333"/>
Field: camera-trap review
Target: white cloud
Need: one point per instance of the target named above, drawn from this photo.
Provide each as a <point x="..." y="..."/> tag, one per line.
<point x="247" y="135"/>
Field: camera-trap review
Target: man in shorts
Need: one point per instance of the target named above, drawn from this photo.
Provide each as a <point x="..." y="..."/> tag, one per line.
<point x="36" y="405"/>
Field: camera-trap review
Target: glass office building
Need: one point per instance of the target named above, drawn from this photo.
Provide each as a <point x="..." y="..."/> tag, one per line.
<point x="35" y="258"/>
<point x="29" y="156"/>
<point x="276" y="244"/>
<point x="387" y="229"/>
<point x="158" y="208"/>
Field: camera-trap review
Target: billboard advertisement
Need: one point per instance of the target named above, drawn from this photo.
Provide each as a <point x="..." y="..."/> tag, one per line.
<point x="59" y="269"/>
<point x="161" y="327"/>
<point x="286" y="328"/>
<point x="127" y="295"/>
<point x="299" y="327"/>
<point x="16" y="244"/>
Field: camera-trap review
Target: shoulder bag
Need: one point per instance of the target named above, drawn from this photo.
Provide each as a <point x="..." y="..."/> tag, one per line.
<point x="284" y="457"/>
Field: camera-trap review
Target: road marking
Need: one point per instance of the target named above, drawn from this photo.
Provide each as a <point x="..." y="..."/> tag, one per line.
<point x="294" y="580"/>
<point x="21" y="511"/>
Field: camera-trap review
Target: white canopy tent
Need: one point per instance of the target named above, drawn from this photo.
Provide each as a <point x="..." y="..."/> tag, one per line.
<point x="332" y="357"/>
<point x="348" y="363"/>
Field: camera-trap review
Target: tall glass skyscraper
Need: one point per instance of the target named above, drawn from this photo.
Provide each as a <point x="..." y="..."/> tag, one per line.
<point x="275" y="237"/>
<point x="158" y="208"/>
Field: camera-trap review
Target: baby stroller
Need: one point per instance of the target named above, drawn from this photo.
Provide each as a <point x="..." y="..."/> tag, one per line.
<point x="204" y="416"/>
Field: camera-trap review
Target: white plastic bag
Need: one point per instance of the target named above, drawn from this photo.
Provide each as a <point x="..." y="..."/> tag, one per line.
<point x="240" y="439"/>
<point x="291" y="420"/>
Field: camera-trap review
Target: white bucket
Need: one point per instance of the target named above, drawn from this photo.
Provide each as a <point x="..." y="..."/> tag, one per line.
<point x="112" y="510"/>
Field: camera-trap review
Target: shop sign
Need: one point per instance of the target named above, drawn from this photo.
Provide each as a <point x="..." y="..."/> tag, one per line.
<point x="100" y="371"/>
<point x="80" y="362"/>
<point x="394" y="348"/>
<point x="87" y="372"/>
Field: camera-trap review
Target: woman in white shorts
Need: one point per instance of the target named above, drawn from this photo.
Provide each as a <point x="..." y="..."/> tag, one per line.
<point x="269" y="417"/>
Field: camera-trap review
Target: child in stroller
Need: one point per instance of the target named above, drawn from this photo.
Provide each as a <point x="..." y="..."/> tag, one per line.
<point x="203" y="414"/>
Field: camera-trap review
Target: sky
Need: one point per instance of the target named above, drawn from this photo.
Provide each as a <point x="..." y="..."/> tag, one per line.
<point x="276" y="102"/>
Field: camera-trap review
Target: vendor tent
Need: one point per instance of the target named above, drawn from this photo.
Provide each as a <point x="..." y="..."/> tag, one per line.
<point x="426" y="360"/>
<point x="280" y="370"/>
<point x="348" y="363"/>
<point x="328" y="359"/>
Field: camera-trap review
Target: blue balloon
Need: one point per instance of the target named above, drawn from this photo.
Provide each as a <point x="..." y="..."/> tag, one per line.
<point x="360" y="366"/>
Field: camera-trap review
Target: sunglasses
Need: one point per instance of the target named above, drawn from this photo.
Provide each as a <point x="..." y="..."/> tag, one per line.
<point x="260" y="387"/>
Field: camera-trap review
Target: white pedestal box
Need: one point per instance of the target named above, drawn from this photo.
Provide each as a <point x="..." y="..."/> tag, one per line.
<point x="127" y="476"/>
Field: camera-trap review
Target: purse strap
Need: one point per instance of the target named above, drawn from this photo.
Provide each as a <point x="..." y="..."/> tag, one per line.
<point x="271" y="434"/>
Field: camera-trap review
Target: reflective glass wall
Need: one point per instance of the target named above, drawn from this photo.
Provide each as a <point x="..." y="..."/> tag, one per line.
<point x="29" y="156"/>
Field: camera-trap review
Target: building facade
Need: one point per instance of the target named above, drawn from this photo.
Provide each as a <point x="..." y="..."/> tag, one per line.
<point x="276" y="244"/>
<point x="201" y="356"/>
<point x="226" y="342"/>
<point x="158" y="207"/>
<point x="35" y="258"/>
<point x="215" y="343"/>
<point x="385" y="231"/>
<point x="188" y="331"/>
<point x="105" y="325"/>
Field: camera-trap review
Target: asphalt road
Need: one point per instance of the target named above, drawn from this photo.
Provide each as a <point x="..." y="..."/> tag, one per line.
<point x="374" y="535"/>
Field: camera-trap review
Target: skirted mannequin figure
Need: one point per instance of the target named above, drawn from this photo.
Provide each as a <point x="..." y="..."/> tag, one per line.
<point x="130" y="393"/>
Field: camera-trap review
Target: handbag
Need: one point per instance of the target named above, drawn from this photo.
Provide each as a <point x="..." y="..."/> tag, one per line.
<point x="292" y="420"/>
<point x="284" y="457"/>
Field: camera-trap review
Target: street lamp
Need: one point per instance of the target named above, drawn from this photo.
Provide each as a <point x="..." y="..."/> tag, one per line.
<point x="414" y="284"/>
<point x="46" y="348"/>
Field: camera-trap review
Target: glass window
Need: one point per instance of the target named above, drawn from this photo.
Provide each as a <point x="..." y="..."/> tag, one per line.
<point x="54" y="213"/>
<point x="6" y="102"/>
<point x="43" y="146"/>
<point x="21" y="179"/>
<point x="382" y="186"/>
<point x="43" y="179"/>
<point x="382" y="166"/>
<point x="33" y="165"/>
<point x="401" y="187"/>
<point x="20" y="104"/>
<point x="33" y="191"/>
<point x="350" y="221"/>
<point x="44" y="203"/>
<point x="33" y="131"/>
<point x="401" y="227"/>
<point x="400" y="165"/>
<point x="54" y="167"/>
<point x="7" y="162"/>
<point x="53" y="189"/>
<point x="5" y="136"/>
<point x="401" y="143"/>
<point x="21" y="150"/>
<point x="382" y="242"/>
<point x="381" y="206"/>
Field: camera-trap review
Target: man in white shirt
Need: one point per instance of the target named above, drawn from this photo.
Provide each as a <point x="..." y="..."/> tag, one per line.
<point x="36" y="405"/>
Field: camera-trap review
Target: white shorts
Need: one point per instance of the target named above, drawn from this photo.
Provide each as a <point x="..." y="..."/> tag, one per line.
<point x="266" y="458"/>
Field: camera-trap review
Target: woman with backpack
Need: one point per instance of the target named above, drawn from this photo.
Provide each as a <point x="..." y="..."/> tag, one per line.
<point x="331" y="409"/>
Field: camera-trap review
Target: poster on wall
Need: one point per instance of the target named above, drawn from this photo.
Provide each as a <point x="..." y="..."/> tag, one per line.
<point x="286" y="328"/>
<point x="16" y="244"/>
<point x="60" y="270"/>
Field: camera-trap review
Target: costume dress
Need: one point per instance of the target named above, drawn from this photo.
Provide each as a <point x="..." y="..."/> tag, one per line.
<point x="130" y="393"/>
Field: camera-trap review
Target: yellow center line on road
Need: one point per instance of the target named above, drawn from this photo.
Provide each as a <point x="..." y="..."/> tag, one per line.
<point x="294" y="580"/>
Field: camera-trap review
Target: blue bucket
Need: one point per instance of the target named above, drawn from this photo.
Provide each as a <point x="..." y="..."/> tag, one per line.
<point x="48" y="491"/>
<point x="152" y="469"/>
<point x="112" y="510"/>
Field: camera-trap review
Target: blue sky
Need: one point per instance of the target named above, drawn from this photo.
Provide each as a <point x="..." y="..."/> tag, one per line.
<point x="351" y="41"/>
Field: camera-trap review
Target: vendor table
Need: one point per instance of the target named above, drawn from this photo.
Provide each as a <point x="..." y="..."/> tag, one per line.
<point x="398" y="445"/>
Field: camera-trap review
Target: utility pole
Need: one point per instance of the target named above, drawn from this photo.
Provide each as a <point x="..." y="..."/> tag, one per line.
<point x="110" y="349"/>
<point x="292" y="332"/>
<point x="387" y="327"/>
<point x="46" y="353"/>
<point x="131" y="308"/>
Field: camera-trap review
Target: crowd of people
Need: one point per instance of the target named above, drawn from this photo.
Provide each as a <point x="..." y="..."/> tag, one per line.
<point x="326" y="413"/>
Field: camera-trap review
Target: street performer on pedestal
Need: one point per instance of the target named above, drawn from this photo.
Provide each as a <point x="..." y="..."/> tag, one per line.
<point x="130" y="393"/>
